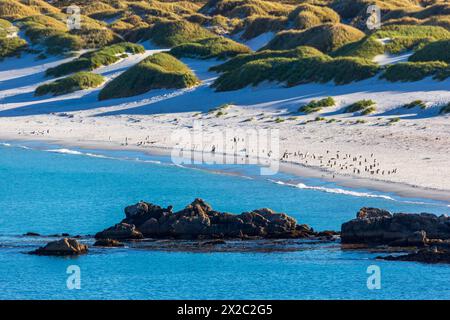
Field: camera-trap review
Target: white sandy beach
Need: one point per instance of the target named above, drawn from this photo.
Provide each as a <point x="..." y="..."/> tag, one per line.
<point x="410" y="154"/>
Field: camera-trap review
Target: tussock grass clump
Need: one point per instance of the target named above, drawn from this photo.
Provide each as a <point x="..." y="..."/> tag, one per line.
<point x="368" y="47"/>
<point x="6" y="28"/>
<point x="173" y="33"/>
<point x="408" y="37"/>
<point x="306" y="16"/>
<point x="11" y="10"/>
<point x="10" y="47"/>
<point x="294" y="71"/>
<point x="256" y="25"/>
<point x="402" y="38"/>
<point x="92" y="60"/>
<point x="435" y="51"/>
<point x="415" y="103"/>
<point x="40" y="6"/>
<point x="317" y="105"/>
<point x="326" y="37"/>
<point x="75" y="82"/>
<point x="237" y="62"/>
<point x="245" y="8"/>
<point x="363" y="106"/>
<point x="415" y="71"/>
<point x="445" y="109"/>
<point x="217" y="47"/>
<point x="51" y="33"/>
<point x="159" y="71"/>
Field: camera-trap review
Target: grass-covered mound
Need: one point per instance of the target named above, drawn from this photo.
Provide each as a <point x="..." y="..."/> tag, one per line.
<point x="401" y="38"/>
<point x="95" y="34"/>
<point x="5" y="28"/>
<point x="74" y="82"/>
<point x="95" y="59"/>
<point x="245" y="8"/>
<point x="11" y="47"/>
<point x="217" y="47"/>
<point x="175" y="9"/>
<point x="256" y="25"/>
<point x="51" y="33"/>
<point x="415" y="71"/>
<point x="326" y="37"/>
<point x="306" y="16"/>
<point x="294" y="71"/>
<point x="11" y="10"/>
<point x="239" y="61"/>
<point x="301" y="17"/>
<point x="167" y="33"/>
<point x="159" y="71"/>
<point x="40" y="6"/>
<point x="435" y="51"/>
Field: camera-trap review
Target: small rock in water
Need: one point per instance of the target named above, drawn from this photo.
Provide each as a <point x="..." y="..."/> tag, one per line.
<point x="108" y="243"/>
<point x="32" y="234"/>
<point x="63" y="247"/>
<point x="120" y="231"/>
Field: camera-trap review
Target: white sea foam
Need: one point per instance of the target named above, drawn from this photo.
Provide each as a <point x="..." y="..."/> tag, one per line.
<point x="335" y="190"/>
<point x="65" y="151"/>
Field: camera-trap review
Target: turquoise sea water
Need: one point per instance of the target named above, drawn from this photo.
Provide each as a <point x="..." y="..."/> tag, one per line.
<point x="48" y="189"/>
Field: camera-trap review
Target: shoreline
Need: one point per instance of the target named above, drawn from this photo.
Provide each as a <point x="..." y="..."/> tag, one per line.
<point x="296" y="169"/>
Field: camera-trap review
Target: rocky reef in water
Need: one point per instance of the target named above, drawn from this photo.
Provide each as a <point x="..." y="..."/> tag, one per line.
<point x="425" y="234"/>
<point x="199" y="220"/>
<point x="422" y="237"/>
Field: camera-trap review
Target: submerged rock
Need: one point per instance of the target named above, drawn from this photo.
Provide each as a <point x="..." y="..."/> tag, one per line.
<point x="426" y="255"/>
<point x="198" y="220"/>
<point x="379" y="227"/>
<point x="108" y="243"/>
<point x="63" y="247"/>
<point x="32" y="234"/>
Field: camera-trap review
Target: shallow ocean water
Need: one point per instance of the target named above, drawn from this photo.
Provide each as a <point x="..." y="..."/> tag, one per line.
<point x="49" y="189"/>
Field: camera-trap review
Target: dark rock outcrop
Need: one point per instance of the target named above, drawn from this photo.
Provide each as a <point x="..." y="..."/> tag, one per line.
<point x="426" y="255"/>
<point x="120" y="231"/>
<point x="108" y="243"/>
<point x="198" y="220"/>
<point x="63" y="247"/>
<point x="379" y="227"/>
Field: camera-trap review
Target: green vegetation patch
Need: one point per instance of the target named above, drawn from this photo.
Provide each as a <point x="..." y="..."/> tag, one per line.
<point x="399" y="38"/>
<point x="245" y="8"/>
<point x="92" y="60"/>
<point x="307" y="15"/>
<point x="415" y="103"/>
<point x="159" y="71"/>
<point x="363" y="106"/>
<point x="435" y="51"/>
<point x="294" y="71"/>
<point x="240" y="60"/>
<point x="11" y="10"/>
<point x="317" y="105"/>
<point x="415" y="71"/>
<point x="11" y="47"/>
<point x="217" y="47"/>
<point x="168" y="33"/>
<point x="326" y="37"/>
<point x="72" y="83"/>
